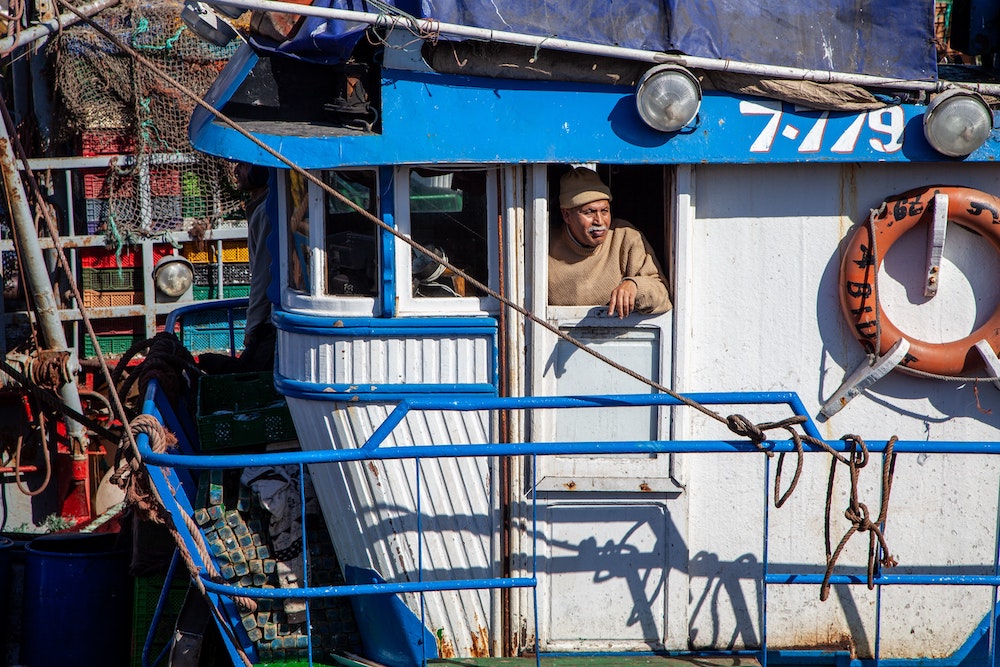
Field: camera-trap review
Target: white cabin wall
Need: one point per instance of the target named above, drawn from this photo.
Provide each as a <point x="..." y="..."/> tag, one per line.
<point x="757" y="310"/>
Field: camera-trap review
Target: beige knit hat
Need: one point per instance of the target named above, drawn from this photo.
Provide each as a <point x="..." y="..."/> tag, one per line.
<point x="581" y="186"/>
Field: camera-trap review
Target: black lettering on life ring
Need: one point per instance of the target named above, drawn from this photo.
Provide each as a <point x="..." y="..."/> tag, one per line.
<point x="859" y="294"/>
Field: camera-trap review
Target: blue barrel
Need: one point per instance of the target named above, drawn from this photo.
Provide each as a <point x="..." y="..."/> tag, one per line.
<point x="77" y="602"/>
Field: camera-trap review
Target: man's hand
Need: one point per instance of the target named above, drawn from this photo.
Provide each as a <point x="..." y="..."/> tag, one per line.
<point x="623" y="299"/>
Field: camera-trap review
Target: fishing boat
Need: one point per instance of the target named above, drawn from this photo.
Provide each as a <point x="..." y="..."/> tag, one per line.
<point x="789" y="466"/>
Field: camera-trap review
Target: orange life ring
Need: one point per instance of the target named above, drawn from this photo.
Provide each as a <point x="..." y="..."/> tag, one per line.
<point x="974" y="210"/>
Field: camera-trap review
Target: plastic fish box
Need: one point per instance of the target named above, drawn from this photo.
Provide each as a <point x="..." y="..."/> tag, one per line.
<point x="99" y="299"/>
<point x="212" y="340"/>
<point x="112" y="345"/>
<point x="213" y="320"/>
<point x="129" y="258"/>
<point x="107" y="142"/>
<point x="242" y="409"/>
<point x="147" y="598"/>
<point x="206" y="292"/>
<point x="120" y="280"/>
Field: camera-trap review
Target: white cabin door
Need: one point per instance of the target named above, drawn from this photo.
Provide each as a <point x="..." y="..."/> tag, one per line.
<point x="607" y="543"/>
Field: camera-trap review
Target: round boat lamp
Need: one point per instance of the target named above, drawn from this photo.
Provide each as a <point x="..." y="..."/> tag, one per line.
<point x="173" y="276"/>
<point x="957" y="122"/>
<point x="668" y="97"/>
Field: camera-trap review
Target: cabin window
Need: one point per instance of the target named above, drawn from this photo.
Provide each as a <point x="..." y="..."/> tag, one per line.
<point x="332" y="247"/>
<point x="350" y="237"/>
<point x="451" y="212"/>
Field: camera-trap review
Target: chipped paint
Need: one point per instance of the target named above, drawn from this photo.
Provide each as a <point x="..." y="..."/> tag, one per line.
<point x="445" y="648"/>
<point x="480" y="643"/>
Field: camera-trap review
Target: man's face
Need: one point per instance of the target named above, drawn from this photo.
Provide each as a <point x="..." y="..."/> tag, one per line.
<point x="588" y="224"/>
<point x="242" y="174"/>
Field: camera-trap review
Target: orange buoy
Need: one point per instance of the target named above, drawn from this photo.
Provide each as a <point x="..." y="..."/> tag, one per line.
<point x="972" y="209"/>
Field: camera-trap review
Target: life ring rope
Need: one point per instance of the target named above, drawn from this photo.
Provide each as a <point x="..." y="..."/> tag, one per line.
<point x="859" y="292"/>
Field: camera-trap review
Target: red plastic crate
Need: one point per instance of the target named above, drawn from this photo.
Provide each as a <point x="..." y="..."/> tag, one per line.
<point x="97" y="183"/>
<point x="102" y="258"/>
<point x="165" y="182"/>
<point x="107" y="142"/>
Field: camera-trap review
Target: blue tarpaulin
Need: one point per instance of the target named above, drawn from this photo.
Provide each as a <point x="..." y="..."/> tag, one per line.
<point x="891" y="38"/>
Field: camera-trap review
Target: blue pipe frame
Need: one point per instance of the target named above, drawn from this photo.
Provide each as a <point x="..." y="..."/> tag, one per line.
<point x="164" y="474"/>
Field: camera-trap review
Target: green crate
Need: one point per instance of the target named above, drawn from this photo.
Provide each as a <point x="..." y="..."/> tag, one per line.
<point x="113" y="345"/>
<point x="206" y="292"/>
<point x="147" y="595"/>
<point x="110" y="280"/>
<point x="241" y="410"/>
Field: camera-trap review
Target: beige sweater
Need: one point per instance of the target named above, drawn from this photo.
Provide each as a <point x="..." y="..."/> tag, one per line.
<point x="583" y="276"/>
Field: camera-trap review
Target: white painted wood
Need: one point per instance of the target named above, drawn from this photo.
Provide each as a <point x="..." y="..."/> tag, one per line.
<point x="764" y="314"/>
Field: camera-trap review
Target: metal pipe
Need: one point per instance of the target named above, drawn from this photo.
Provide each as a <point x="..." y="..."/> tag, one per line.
<point x="39" y="284"/>
<point x="433" y="27"/>
<point x="46" y="28"/>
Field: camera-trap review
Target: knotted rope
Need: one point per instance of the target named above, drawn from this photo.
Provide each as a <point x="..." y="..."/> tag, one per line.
<point x="857" y="513"/>
<point x="131" y="476"/>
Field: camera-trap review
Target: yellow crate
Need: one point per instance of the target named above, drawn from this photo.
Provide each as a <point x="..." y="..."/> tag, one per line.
<point x="234" y="251"/>
<point x="98" y="299"/>
<point x="196" y="252"/>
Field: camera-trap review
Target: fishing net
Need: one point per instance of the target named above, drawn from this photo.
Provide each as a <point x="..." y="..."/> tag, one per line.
<point x="112" y="104"/>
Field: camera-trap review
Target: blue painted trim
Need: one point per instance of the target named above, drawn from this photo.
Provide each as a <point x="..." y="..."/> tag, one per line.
<point x="166" y="480"/>
<point x="346" y="590"/>
<point x="351" y="327"/>
<point x="585" y="122"/>
<point x="887" y="579"/>
<point x="387" y="243"/>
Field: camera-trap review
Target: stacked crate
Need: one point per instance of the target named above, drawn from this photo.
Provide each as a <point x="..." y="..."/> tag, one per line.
<point x="235" y="528"/>
<point x="147" y="598"/>
<point x="108" y="279"/>
<point x="208" y="331"/>
<point x="204" y="257"/>
<point x="106" y="141"/>
<point x="115" y="335"/>
<point x="107" y="193"/>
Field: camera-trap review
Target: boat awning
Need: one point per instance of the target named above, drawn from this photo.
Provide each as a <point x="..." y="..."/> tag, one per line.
<point x="890" y="38"/>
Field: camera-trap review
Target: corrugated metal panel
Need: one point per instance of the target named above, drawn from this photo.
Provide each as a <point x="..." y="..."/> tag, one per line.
<point x="371" y="509"/>
<point x="387" y="360"/>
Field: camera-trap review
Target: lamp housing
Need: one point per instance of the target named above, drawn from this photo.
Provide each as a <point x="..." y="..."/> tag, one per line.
<point x="173" y="276"/>
<point x="668" y="97"/>
<point x="957" y="122"/>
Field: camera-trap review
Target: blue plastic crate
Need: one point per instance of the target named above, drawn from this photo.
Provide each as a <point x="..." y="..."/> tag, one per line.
<point x="212" y="340"/>
<point x="213" y="320"/>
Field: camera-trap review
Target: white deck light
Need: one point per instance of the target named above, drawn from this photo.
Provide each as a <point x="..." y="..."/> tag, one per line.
<point x="668" y="97"/>
<point x="957" y="122"/>
<point x="173" y="276"/>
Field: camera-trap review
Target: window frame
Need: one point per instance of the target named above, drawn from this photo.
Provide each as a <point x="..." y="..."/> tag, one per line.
<point x="406" y="303"/>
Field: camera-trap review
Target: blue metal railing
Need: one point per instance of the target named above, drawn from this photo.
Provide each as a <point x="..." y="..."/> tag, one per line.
<point x="163" y="471"/>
